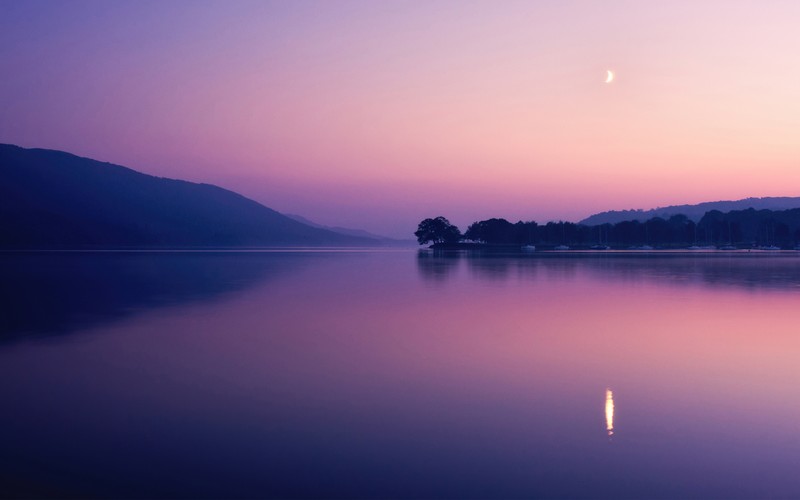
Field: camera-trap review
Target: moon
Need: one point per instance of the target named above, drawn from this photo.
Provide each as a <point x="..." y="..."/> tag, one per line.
<point x="609" y="76"/>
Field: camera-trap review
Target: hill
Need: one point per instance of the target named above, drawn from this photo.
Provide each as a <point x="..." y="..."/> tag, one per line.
<point x="693" y="212"/>
<point x="53" y="199"/>
<point x="355" y="232"/>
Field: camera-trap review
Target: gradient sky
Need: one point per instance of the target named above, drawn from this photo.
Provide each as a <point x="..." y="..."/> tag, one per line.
<point x="376" y="114"/>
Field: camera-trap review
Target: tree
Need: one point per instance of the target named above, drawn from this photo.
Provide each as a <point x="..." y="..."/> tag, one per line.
<point x="492" y="231"/>
<point x="438" y="230"/>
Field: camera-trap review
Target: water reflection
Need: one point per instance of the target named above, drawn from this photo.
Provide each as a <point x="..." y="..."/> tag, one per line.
<point x="372" y="376"/>
<point x="752" y="271"/>
<point x="435" y="265"/>
<point x="51" y="293"/>
<point x="609" y="412"/>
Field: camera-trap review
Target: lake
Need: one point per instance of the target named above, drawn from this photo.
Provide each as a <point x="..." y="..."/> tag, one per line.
<point x="399" y="373"/>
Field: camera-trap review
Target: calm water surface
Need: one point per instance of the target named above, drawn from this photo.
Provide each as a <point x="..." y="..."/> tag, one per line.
<point x="399" y="374"/>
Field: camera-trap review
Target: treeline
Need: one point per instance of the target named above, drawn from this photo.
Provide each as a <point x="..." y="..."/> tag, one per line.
<point x="739" y="228"/>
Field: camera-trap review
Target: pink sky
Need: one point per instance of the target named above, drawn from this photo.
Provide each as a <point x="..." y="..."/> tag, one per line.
<point x="378" y="114"/>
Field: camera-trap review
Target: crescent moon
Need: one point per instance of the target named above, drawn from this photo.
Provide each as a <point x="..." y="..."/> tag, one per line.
<point x="609" y="76"/>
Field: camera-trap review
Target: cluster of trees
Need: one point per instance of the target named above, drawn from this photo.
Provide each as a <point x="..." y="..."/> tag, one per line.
<point x="437" y="231"/>
<point x="756" y="227"/>
<point x="743" y="228"/>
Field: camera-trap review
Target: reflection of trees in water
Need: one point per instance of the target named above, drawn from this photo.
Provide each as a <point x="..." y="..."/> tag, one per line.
<point x="49" y="293"/>
<point x="493" y="268"/>
<point x="522" y="266"/>
<point x="735" y="270"/>
<point x="441" y="265"/>
<point x="437" y="265"/>
<point x="744" y="271"/>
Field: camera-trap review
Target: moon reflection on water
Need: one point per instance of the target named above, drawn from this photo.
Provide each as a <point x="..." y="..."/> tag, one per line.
<point x="609" y="412"/>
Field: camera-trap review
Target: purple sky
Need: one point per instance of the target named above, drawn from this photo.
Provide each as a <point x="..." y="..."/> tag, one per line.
<point x="376" y="114"/>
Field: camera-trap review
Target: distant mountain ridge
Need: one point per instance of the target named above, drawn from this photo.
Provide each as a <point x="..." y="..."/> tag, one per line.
<point x="56" y="199"/>
<point x="353" y="232"/>
<point x="693" y="212"/>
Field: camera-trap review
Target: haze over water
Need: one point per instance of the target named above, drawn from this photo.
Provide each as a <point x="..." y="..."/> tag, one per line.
<point x="401" y="374"/>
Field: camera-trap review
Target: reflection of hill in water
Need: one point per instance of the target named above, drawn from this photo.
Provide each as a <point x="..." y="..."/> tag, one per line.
<point x="745" y="270"/>
<point x="50" y="293"/>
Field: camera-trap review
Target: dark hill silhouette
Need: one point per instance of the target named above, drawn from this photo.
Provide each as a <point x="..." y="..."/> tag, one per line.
<point x="55" y="199"/>
<point x="693" y="212"/>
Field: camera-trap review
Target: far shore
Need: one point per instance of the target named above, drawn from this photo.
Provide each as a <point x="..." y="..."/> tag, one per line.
<point x="601" y="249"/>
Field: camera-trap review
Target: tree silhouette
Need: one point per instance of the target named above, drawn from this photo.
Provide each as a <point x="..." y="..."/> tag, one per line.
<point x="740" y="228"/>
<point x="438" y="230"/>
